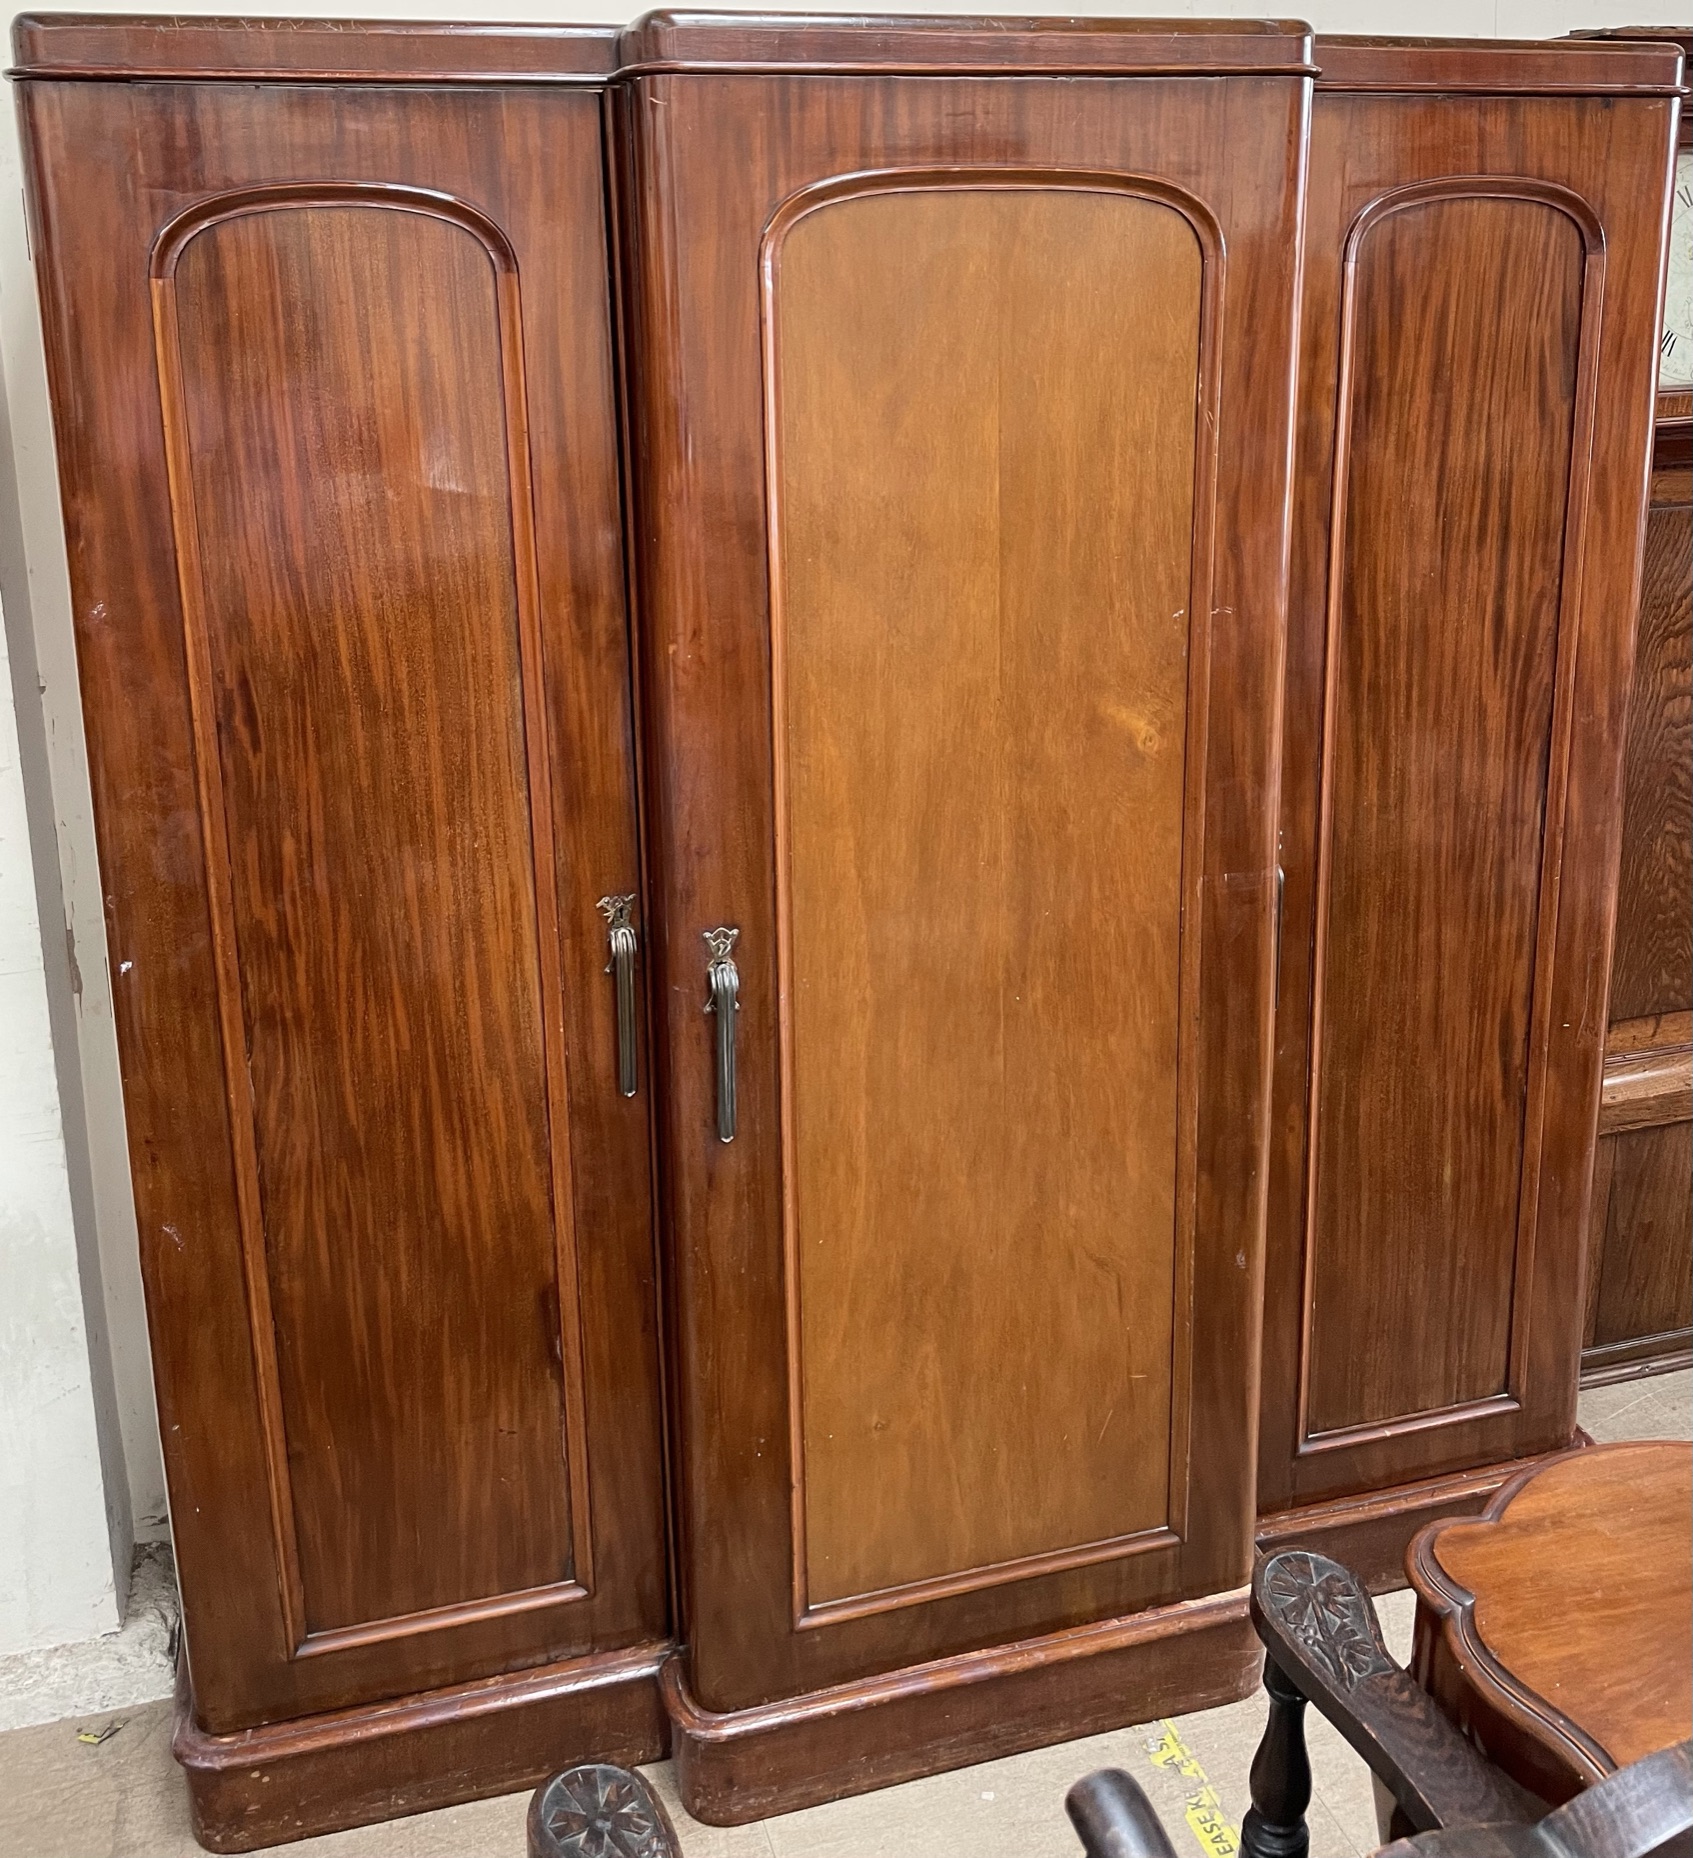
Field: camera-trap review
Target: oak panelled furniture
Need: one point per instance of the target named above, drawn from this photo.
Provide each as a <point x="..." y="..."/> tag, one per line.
<point x="1640" y="1284"/>
<point x="783" y="527"/>
<point x="1481" y="244"/>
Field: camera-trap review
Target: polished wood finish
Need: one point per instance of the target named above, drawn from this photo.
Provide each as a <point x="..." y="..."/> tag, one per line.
<point x="1648" y="1073"/>
<point x="926" y="425"/>
<point x="1558" y="1629"/>
<point x="1368" y="1533"/>
<point x="1640" y="1299"/>
<point x="1626" y="64"/>
<point x="369" y="832"/>
<point x="1114" y="1819"/>
<point x="1472" y="302"/>
<point x="930" y="622"/>
<point x="340" y="466"/>
<point x="1280" y="1776"/>
<point x="1641" y="1308"/>
<point x="1652" y="970"/>
<point x="817" y="44"/>
<point x="89" y="46"/>
<point x="1473" y="441"/>
<point x="292" y="1780"/>
<point x="1324" y="1644"/>
<point x="778" y="1757"/>
<point x="952" y="582"/>
<point x="1645" y="1811"/>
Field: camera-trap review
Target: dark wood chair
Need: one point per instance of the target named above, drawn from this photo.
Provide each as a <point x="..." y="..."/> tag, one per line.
<point x="1324" y="1646"/>
<point x="1643" y="1811"/>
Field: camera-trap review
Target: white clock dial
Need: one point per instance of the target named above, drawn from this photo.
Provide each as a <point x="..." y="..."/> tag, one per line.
<point x="1675" y="353"/>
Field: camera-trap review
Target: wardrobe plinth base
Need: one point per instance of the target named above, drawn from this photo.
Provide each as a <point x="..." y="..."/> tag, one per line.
<point x="742" y="1765"/>
<point x="378" y="1761"/>
<point x="1370" y="1533"/>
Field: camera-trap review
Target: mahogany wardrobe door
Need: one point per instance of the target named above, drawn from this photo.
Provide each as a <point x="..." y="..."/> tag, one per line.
<point x="1481" y="286"/>
<point x="337" y="434"/>
<point x="961" y="432"/>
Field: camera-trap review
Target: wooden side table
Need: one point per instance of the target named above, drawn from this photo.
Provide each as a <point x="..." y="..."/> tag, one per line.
<point x="1557" y="1628"/>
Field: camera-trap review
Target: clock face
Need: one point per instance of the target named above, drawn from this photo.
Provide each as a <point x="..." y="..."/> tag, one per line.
<point x="1675" y="355"/>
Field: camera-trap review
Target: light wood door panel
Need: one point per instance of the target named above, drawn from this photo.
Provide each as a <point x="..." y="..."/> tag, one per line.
<point x="981" y="630"/>
<point x="383" y="893"/>
<point x="1463" y="330"/>
<point x="961" y="548"/>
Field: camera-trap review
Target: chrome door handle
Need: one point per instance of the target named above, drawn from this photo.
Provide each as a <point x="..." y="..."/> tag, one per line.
<point x="723" y="986"/>
<point x="617" y="911"/>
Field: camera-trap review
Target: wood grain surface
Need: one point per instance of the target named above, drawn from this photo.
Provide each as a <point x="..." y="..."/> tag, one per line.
<point x="1369" y="1532"/>
<point x="85" y="46"/>
<point x="1559" y="1627"/>
<point x="1645" y="1288"/>
<point x="351" y="1767"/>
<point x="1463" y="330"/>
<point x="711" y="161"/>
<point x="737" y="1766"/>
<point x="1640" y="1301"/>
<point x="725" y="41"/>
<point x="1653" y="968"/>
<point x="378" y="880"/>
<point x="956" y="703"/>
<point x="984" y="549"/>
<point x="1648" y="1072"/>
<point x="368" y="1043"/>
<point x="1475" y="910"/>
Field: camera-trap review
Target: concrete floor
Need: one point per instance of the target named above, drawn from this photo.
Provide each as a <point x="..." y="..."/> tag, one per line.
<point x="66" y="1791"/>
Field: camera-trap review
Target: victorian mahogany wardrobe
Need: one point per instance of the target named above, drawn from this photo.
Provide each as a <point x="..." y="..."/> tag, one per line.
<point x="703" y="815"/>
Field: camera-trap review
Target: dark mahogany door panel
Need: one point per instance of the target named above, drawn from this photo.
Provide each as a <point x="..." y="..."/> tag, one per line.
<point x="961" y="431"/>
<point x="339" y="446"/>
<point x="1480" y="288"/>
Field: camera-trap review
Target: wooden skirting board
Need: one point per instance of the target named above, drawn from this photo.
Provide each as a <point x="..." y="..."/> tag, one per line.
<point x="382" y="1760"/>
<point x="747" y="1764"/>
<point x="1635" y="1359"/>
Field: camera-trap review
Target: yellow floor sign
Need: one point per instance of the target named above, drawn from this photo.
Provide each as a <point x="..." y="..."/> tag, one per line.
<point x="1205" y="1815"/>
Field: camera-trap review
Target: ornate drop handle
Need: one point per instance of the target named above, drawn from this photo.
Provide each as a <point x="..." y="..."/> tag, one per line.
<point x="723" y="984"/>
<point x="617" y="911"/>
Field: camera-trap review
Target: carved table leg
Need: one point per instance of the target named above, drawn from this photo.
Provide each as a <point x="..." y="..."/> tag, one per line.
<point x="599" y="1811"/>
<point x="1281" y="1776"/>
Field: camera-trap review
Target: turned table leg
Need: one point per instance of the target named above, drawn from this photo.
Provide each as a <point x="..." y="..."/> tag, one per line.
<point x="1281" y="1776"/>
